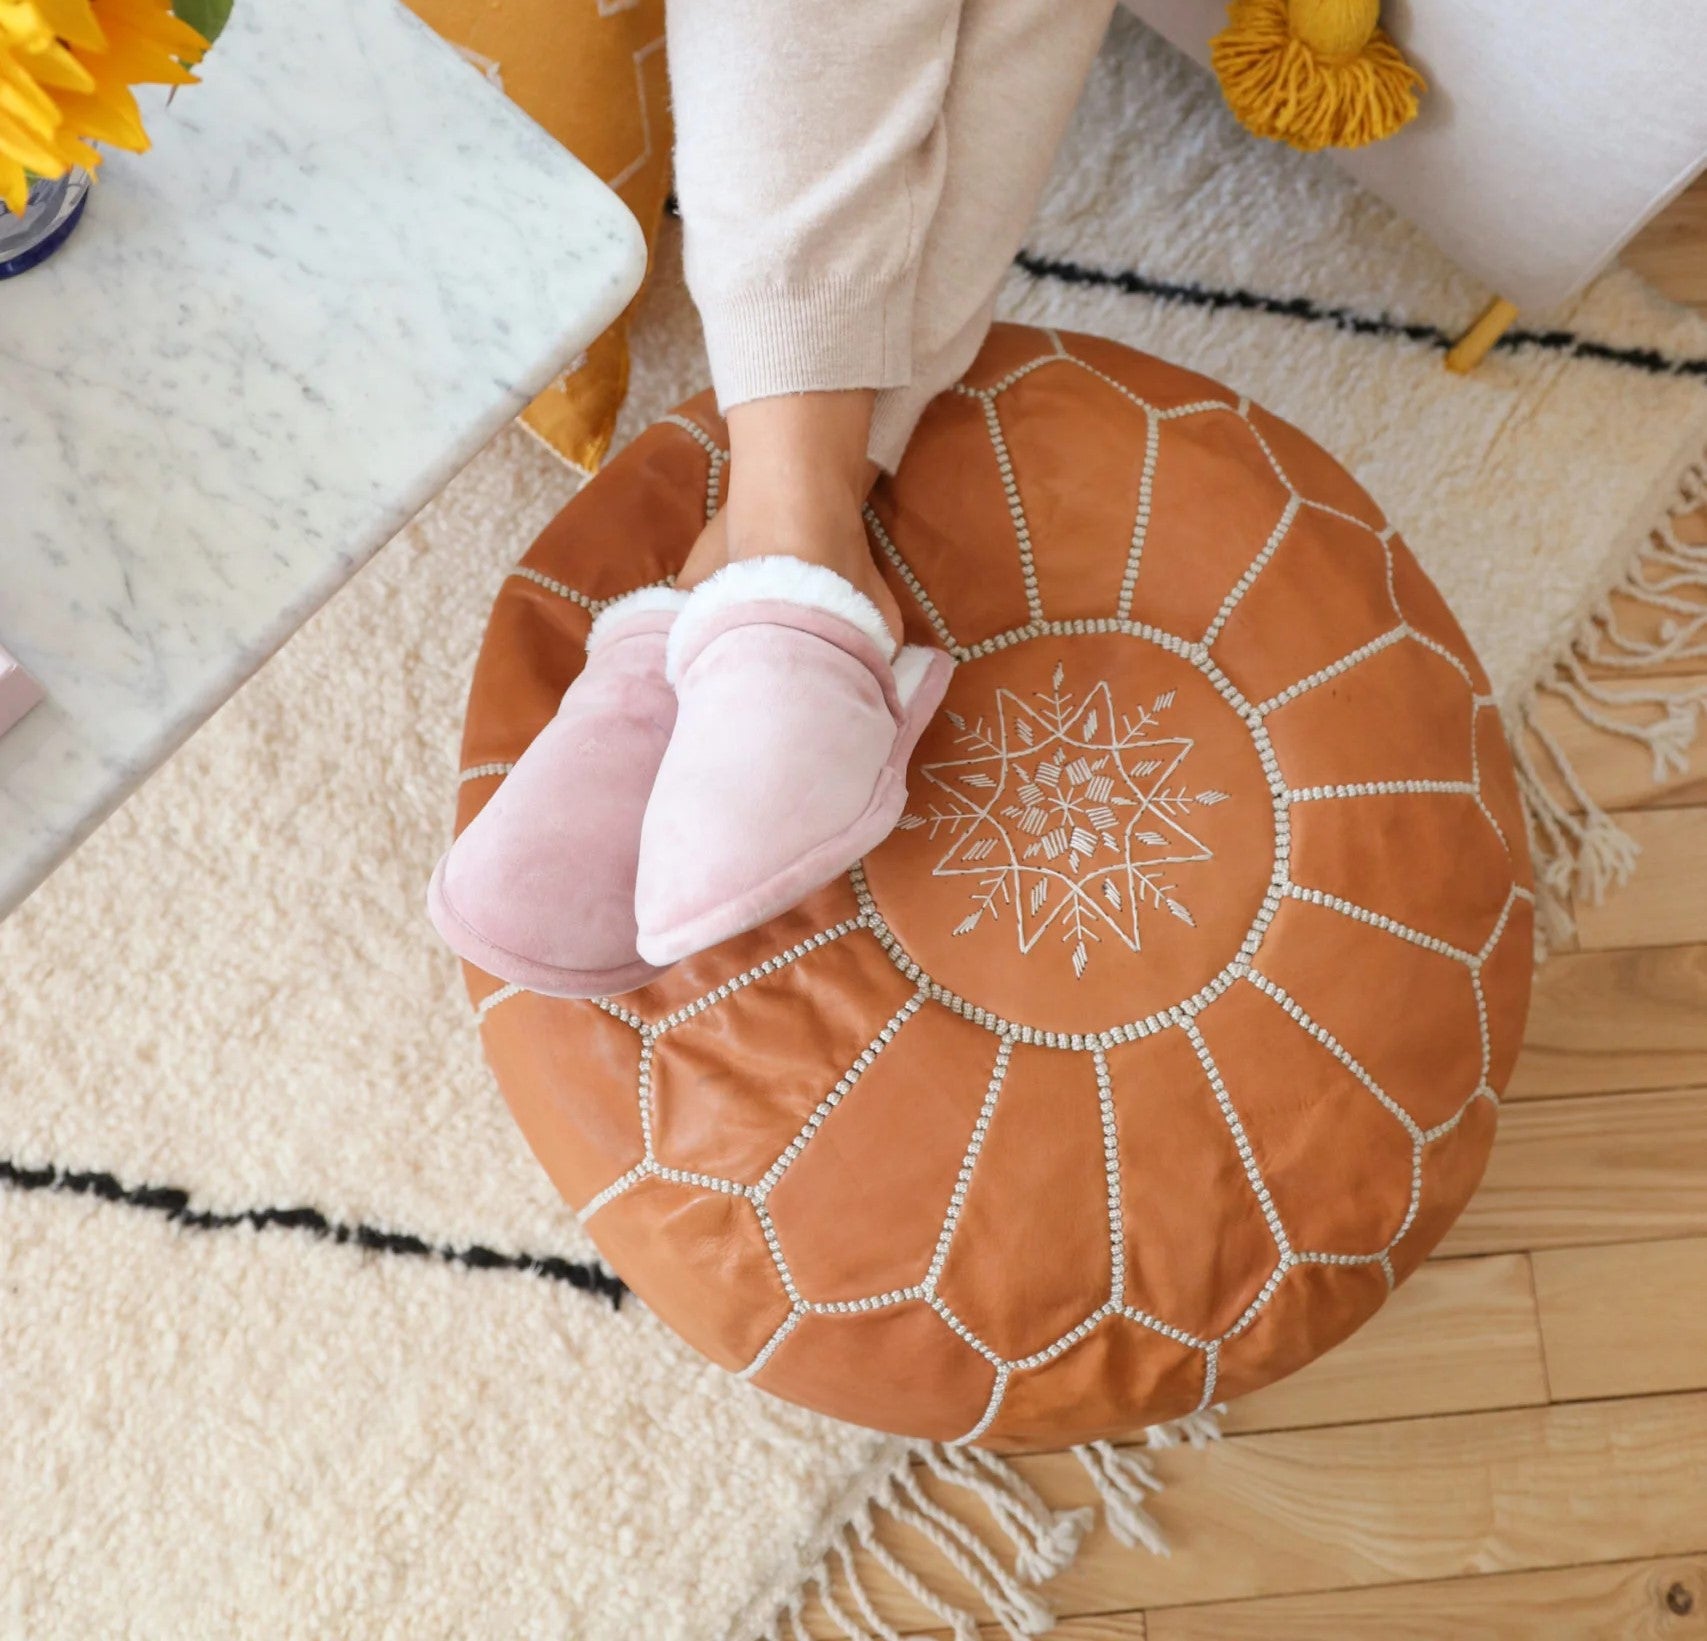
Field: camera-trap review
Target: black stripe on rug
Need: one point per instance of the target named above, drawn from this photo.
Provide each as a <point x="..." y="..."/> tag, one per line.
<point x="172" y="1203"/>
<point x="1308" y="311"/>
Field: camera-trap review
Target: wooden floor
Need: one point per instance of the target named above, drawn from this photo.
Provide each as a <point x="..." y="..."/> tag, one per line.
<point x="1516" y="1447"/>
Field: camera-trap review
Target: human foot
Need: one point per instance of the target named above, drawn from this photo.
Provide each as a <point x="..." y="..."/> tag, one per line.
<point x="848" y="554"/>
<point x="796" y="716"/>
<point x="799" y="477"/>
<point x="539" y="888"/>
<point x="837" y="542"/>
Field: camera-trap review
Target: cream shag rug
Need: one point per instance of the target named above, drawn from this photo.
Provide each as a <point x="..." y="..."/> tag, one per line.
<point x="297" y="1340"/>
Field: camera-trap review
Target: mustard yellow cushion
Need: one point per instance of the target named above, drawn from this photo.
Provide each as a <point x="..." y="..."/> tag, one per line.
<point x="593" y="75"/>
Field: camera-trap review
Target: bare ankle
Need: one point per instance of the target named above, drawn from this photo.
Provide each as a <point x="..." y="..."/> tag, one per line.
<point x="798" y="479"/>
<point x="809" y="446"/>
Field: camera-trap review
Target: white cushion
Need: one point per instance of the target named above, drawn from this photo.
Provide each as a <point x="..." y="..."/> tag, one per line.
<point x="1549" y="134"/>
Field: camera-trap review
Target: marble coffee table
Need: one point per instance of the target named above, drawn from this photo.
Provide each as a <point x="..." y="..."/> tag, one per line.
<point x="346" y="263"/>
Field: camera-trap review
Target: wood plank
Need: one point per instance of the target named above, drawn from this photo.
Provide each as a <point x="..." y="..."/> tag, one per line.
<point x="1095" y="1627"/>
<point x="1601" y="1022"/>
<point x="1411" y="1500"/>
<point x="1460" y="1335"/>
<point x="1627" y="1320"/>
<point x="1603" y="1168"/>
<point x="1665" y="902"/>
<point x="1566" y="939"/>
<point x="1658" y="1600"/>
<point x="1619" y="772"/>
<point x="1671" y="251"/>
<point x="1644" y="622"/>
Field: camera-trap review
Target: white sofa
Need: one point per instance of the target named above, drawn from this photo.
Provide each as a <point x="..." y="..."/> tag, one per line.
<point x="1550" y="133"/>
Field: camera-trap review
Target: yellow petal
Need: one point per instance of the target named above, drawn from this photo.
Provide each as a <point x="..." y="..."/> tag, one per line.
<point x="70" y="152"/>
<point x="114" y="75"/>
<point x="58" y="68"/>
<point x="23" y="26"/>
<point x="74" y="22"/>
<point x="112" y="116"/>
<point x="153" y="20"/>
<point x="156" y="21"/>
<point x="132" y="60"/>
<point x="28" y="148"/>
<point x="66" y="72"/>
<point x="14" y="185"/>
<point x="21" y="97"/>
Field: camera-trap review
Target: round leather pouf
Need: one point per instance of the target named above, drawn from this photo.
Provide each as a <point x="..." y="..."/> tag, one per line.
<point x="1165" y="1034"/>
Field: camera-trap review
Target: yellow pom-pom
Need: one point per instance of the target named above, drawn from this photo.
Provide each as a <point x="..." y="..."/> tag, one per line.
<point x="1314" y="73"/>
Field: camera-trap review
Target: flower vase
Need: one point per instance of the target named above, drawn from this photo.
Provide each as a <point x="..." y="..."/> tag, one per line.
<point x="55" y="207"/>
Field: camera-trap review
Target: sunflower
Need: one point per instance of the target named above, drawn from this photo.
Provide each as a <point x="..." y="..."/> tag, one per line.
<point x="66" y="69"/>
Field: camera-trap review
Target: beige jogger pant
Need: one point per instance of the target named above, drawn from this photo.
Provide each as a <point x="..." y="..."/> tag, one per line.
<point x="855" y="177"/>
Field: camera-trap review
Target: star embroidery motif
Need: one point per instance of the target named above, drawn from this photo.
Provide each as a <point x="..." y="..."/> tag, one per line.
<point x="1069" y="814"/>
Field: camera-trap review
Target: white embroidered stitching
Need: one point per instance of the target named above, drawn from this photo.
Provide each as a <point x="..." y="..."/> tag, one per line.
<point x="614" y="1189"/>
<point x="1111" y="1167"/>
<point x="1332" y="1044"/>
<point x="963" y="1180"/>
<point x="1141" y="516"/>
<point x="1132" y="1030"/>
<point x="492" y="999"/>
<point x="1211" y="1372"/>
<point x="593" y="606"/>
<point x="1334" y="669"/>
<point x="1379" y="789"/>
<point x="1255" y="568"/>
<point x="1241" y="1143"/>
<point x="1378" y="920"/>
<point x="997" y="1390"/>
<point x="1066" y="812"/>
<point x="843" y="1087"/>
<point x="913" y="585"/>
<point x="769" y="966"/>
<point x="479" y="772"/>
<point x="1016" y="508"/>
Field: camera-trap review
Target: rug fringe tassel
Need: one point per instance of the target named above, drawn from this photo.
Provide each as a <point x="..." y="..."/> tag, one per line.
<point x="1580" y="850"/>
<point x="1041" y="1542"/>
<point x="1124" y="1483"/>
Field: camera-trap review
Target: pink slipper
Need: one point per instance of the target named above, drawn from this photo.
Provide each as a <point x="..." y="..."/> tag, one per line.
<point x="539" y="888"/>
<point x="797" y="715"/>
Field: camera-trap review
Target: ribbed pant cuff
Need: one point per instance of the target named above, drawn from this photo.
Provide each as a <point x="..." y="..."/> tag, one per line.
<point x="893" y="419"/>
<point x="823" y="337"/>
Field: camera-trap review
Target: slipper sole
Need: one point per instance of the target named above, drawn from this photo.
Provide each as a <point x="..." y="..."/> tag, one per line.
<point x="527" y="972"/>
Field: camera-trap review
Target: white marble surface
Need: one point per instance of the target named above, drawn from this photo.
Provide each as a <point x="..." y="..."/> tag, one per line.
<point x="346" y="262"/>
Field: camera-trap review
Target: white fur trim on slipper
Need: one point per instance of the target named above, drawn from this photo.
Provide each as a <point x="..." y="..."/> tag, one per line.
<point x="912" y="667"/>
<point x="642" y="601"/>
<point x="787" y="580"/>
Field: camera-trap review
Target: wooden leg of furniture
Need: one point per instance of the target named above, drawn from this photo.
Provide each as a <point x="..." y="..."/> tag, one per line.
<point x="1472" y="347"/>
